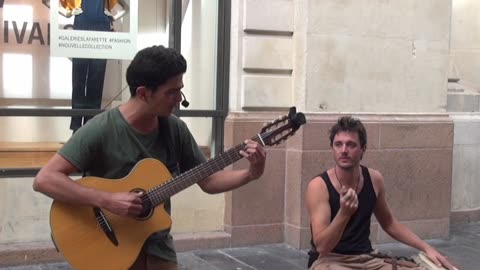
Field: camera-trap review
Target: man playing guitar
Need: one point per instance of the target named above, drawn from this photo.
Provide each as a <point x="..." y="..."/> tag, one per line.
<point x="110" y="145"/>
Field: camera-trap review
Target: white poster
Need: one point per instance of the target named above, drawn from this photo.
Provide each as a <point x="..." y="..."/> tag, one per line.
<point x="119" y="41"/>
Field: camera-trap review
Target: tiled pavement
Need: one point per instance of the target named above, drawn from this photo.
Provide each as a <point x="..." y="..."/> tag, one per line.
<point x="463" y="247"/>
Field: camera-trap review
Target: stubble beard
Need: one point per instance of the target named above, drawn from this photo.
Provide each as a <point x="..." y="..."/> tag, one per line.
<point x="349" y="166"/>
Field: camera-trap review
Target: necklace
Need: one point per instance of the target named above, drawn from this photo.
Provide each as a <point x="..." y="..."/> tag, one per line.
<point x="341" y="184"/>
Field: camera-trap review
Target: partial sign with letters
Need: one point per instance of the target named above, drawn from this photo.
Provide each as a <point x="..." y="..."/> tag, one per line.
<point x="118" y="42"/>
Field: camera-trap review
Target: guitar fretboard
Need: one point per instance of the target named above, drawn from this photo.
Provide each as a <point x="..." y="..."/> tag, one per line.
<point x="161" y="193"/>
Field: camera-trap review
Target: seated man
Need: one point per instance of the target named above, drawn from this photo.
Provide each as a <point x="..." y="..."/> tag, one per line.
<point x="340" y="203"/>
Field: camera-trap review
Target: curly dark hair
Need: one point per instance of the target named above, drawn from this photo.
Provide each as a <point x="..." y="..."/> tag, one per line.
<point x="349" y="124"/>
<point x="153" y="66"/>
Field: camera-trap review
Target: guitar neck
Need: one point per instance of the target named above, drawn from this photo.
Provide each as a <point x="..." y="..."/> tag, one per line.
<point x="161" y="193"/>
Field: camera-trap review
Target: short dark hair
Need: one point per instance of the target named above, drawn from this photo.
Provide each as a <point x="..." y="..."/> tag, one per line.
<point x="349" y="124"/>
<point x="153" y="66"/>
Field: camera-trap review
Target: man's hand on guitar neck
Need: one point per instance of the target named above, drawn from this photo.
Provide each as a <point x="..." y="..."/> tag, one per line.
<point x="256" y="155"/>
<point x="226" y="180"/>
<point x="123" y="203"/>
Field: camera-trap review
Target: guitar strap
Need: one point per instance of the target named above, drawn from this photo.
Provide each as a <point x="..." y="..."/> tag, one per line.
<point x="165" y="137"/>
<point x="171" y="163"/>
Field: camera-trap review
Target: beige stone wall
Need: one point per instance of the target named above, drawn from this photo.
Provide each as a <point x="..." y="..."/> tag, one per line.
<point x="262" y="55"/>
<point x="463" y="103"/>
<point x="337" y="56"/>
<point x="465" y="171"/>
<point x="255" y="213"/>
<point x="376" y="56"/>
<point x="465" y="43"/>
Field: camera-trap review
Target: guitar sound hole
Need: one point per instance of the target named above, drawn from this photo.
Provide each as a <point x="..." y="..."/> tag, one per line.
<point x="147" y="209"/>
<point x="146" y="213"/>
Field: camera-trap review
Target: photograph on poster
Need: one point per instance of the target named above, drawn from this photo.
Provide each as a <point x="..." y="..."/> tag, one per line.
<point x="32" y="78"/>
<point x="93" y="29"/>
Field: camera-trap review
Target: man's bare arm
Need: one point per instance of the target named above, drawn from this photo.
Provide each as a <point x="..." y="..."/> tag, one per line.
<point x="227" y="180"/>
<point x="53" y="180"/>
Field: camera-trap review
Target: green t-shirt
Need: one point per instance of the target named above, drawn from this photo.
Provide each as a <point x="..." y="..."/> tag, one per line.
<point x="107" y="146"/>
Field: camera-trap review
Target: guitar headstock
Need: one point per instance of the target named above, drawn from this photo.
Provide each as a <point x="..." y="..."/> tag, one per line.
<point x="279" y="130"/>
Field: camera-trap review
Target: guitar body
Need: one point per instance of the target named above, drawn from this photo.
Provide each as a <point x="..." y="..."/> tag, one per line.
<point x="79" y="237"/>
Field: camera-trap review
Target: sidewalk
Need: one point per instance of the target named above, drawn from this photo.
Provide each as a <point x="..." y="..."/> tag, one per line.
<point x="463" y="248"/>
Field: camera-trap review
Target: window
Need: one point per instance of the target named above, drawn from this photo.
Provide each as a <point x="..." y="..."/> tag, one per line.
<point x="37" y="90"/>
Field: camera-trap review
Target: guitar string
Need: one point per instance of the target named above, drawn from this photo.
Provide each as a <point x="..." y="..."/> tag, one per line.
<point x="153" y="197"/>
<point x="155" y="193"/>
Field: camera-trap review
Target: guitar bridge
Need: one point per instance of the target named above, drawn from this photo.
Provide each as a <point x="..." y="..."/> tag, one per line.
<point x="105" y="226"/>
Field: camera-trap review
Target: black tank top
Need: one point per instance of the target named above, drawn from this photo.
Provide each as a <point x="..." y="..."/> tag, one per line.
<point x="356" y="236"/>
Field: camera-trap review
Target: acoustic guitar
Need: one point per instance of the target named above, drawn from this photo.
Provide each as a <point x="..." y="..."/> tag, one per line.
<point x="92" y="238"/>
